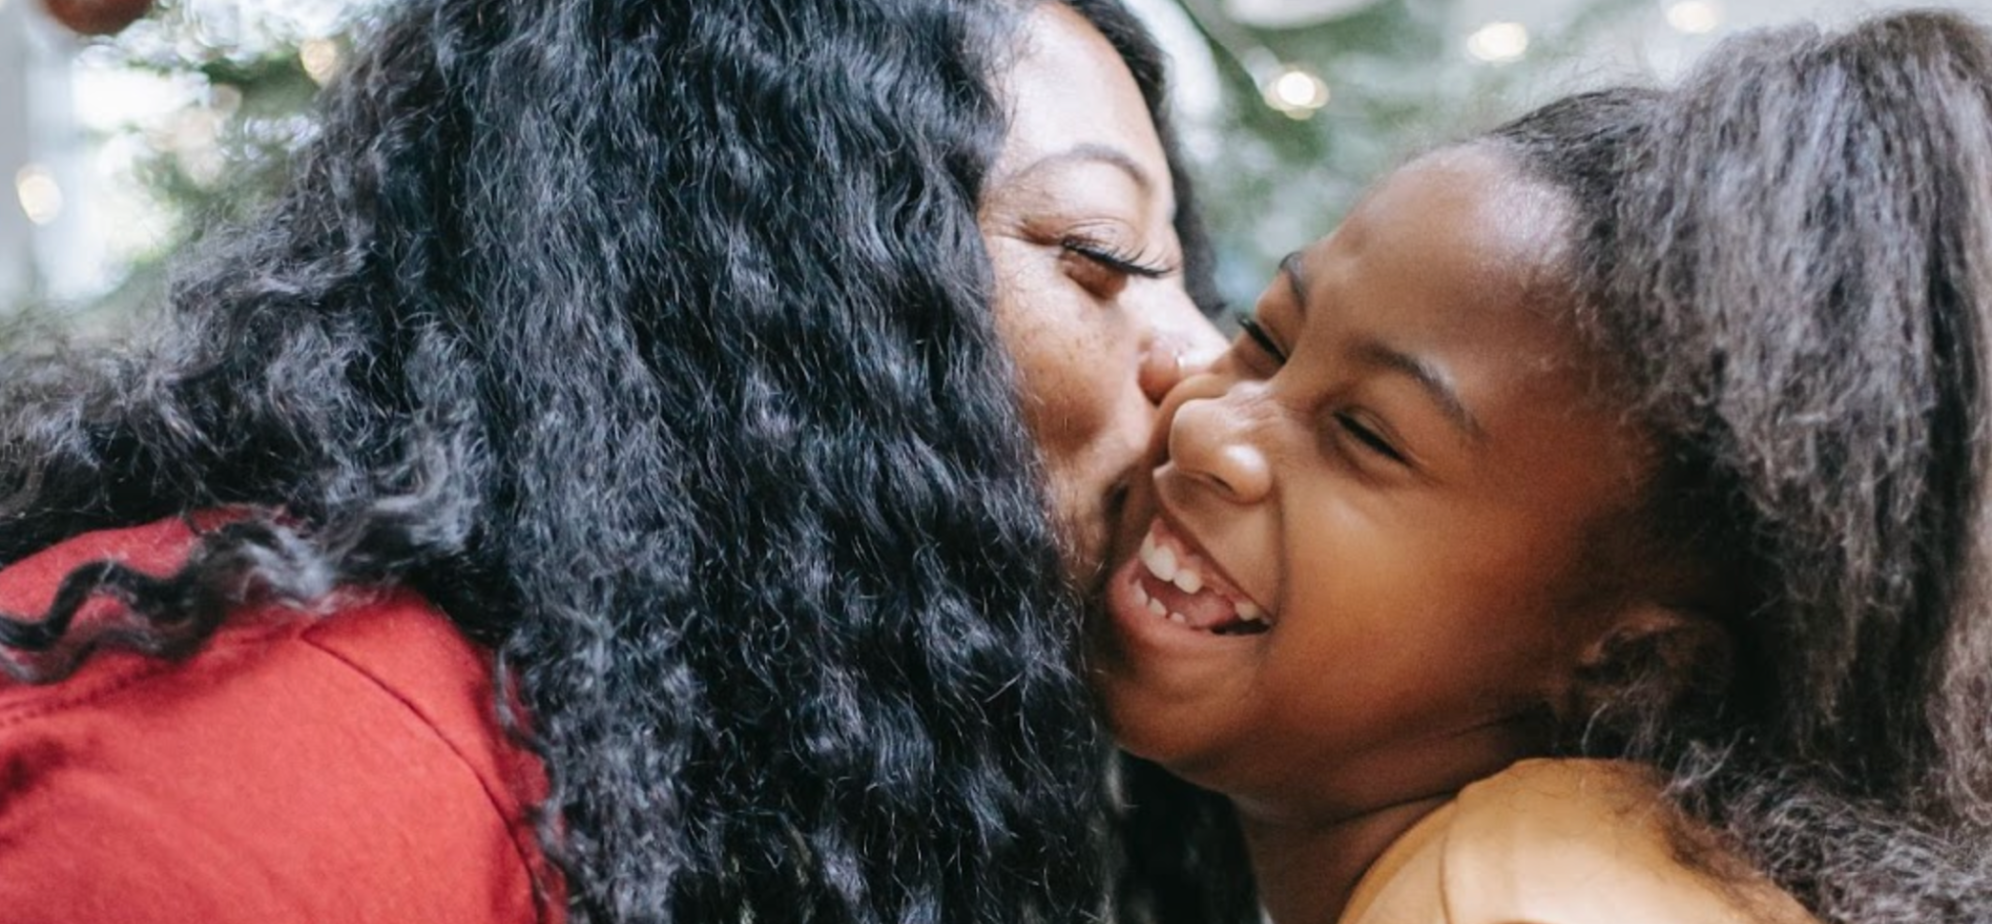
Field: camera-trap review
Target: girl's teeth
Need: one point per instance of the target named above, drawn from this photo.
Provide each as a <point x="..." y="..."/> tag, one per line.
<point x="1188" y="580"/>
<point x="1162" y="562"/>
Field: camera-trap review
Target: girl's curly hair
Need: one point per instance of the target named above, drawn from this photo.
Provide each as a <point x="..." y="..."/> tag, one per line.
<point x="1791" y="254"/>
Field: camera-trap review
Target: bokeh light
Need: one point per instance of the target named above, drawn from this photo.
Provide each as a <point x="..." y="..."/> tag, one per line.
<point x="1499" y="42"/>
<point x="320" y="58"/>
<point x="39" y="194"/>
<point x="1297" y="92"/>
<point x="1694" y="17"/>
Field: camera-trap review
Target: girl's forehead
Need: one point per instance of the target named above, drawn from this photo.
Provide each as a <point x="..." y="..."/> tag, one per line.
<point x="1454" y="267"/>
<point x="1470" y="199"/>
<point x="1457" y="237"/>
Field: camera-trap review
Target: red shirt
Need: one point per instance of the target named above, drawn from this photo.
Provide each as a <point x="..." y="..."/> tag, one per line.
<point x="337" y="766"/>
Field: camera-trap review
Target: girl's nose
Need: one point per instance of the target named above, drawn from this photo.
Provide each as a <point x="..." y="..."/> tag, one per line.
<point x="1210" y="442"/>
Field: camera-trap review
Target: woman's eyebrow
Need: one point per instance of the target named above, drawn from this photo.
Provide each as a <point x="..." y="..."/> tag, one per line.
<point x="1093" y="152"/>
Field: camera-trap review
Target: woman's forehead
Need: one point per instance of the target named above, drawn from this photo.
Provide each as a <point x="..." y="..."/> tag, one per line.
<point x="1068" y="89"/>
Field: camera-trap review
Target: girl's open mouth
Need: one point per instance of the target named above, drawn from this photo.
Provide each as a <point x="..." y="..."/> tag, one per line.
<point x="1177" y="584"/>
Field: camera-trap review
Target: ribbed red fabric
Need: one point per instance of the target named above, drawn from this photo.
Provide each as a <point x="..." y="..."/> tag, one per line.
<point x="344" y="765"/>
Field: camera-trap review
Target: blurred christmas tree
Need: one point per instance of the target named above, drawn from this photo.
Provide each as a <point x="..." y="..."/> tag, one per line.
<point x="237" y="79"/>
<point x="1310" y="99"/>
<point x="1320" y="97"/>
<point x="234" y="137"/>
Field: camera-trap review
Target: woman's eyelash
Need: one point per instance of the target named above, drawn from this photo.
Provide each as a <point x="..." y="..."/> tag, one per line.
<point x="1117" y="259"/>
<point x="1259" y="336"/>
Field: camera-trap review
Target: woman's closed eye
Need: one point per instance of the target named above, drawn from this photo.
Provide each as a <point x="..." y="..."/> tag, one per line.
<point x="1116" y="259"/>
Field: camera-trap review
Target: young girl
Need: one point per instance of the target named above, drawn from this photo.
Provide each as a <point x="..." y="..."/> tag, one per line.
<point x="1591" y="528"/>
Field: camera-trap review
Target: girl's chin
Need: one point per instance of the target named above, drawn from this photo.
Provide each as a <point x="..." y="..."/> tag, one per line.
<point x="1153" y="673"/>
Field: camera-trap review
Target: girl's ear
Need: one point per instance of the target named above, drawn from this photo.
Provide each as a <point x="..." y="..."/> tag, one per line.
<point x="1652" y="659"/>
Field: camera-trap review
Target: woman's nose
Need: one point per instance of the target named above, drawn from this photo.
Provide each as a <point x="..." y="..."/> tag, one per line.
<point x="1179" y="344"/>
<point x="1210" y="443"/>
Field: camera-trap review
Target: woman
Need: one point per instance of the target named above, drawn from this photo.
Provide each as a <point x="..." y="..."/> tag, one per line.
<point x="651" y="345"/>
<point x="1592" y="528"/>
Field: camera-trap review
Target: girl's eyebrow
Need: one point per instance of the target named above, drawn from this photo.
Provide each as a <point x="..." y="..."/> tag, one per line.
<point x="1436" y="384"/>
<point x="1290" y="267"/>
<point x="1430" y="377"/>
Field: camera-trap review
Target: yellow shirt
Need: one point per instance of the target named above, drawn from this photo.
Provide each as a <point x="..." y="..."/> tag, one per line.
<point x="1555" y="842"/>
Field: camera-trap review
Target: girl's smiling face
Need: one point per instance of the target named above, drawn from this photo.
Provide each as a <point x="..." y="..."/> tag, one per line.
<point x="1408" y="475"/>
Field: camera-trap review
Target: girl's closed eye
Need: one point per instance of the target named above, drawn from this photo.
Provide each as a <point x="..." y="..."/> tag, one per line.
<point x="1258" y="334"/>
<point x="1368" y="437"/>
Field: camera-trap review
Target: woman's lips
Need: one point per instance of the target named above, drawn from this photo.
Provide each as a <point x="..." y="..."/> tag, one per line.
<point x="1098" y="549"/>
<point x="1172" y="580"/>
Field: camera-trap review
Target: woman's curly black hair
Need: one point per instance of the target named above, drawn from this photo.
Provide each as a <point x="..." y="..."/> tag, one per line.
<point x="652" y="342"/>
<point x="1788" y="259"/>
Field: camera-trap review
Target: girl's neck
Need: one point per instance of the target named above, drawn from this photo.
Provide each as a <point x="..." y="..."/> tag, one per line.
<point x="1306" y="873"/>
